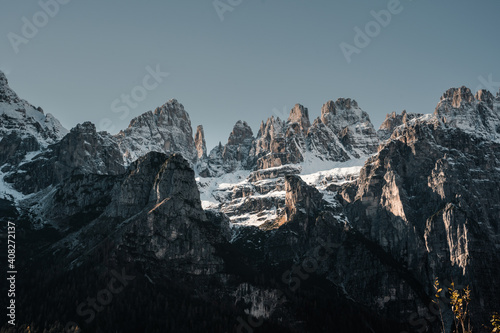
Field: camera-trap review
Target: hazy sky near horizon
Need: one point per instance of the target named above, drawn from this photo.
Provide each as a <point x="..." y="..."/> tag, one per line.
<point x="260" y="60"/>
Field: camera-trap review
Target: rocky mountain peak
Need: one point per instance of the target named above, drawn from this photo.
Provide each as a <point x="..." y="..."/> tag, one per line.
<point x="261" y="128"/>
<point x="199" y="142"/>
<point x="86" y="127"/>
<point x="3" y="79"/>
<point x="486" y="97"/>
<point x="299" y="114"/>
<point x="237" y="153"/>
<point x="271" y="139"/>
<point x="176" y="180"/>
<point x="393" y="120"/>
<point x="173" y="106"/>
<point x="328" y="108"/>
<point x="241" y="132"/>
<point x="171" y="113"/>
<point x="167" y="129"/>
<point x="239" y="148"/>
<point x="458" y="97"/>
<point x="331" y="107"/>
<point x="271" y="127"/>
<point x="346" y="103"/>
<point x="458" y="108"/>
<point x="82" y="151"/>
<point x="346" y="120"/>
<point x="158" y="197"/>
<point x="7" y="95"/>
<point x="24" y="120"/>
<point x="341" y="113"/>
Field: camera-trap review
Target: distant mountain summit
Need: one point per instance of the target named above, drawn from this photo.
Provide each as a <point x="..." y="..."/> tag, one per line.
<point x="18" y="116"/>
<point x="23" y="127"/>
<point x="477" y="114"/>
<point x="167" y="129"/>
<point x="343" y="132"/>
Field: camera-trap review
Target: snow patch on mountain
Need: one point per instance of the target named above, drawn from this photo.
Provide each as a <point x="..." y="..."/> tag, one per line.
<point x="313" y="163"/>
<point x="254" y="198"/>
<point x="17" y="115"/>
<point x="338" y="176"/>
<point x="8" y="192"/>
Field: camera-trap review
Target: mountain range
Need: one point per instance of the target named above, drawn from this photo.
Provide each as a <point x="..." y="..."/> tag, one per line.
<point x="309" y="225"/>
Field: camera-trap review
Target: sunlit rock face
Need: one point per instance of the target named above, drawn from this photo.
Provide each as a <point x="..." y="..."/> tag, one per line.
<point x="430" y="198"/>
<point x="200" y="144"/>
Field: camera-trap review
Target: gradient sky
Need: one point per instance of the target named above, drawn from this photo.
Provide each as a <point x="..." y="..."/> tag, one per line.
<point x="265" y="56"/>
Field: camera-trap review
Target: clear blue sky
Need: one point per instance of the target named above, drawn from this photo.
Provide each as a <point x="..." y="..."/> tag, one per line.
<point x="265" y="55"/>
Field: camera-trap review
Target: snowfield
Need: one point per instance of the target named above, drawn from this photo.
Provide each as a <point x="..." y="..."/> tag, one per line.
<point x="246" y="204"/>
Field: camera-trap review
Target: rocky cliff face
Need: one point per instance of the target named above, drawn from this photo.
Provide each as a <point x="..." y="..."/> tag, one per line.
<point x="352" y="125"/>
<point x="239" y="148"/>
<point x="237" y="154"/>
<point x="301" y="199"/>
<point x="459" y="108"/>
<point x="167" y="129"/>
<point x="151" y="215"/>
<point x="200" y="144"/>
<point x="423" y="198"/>
<point x="392" y="121"/>
<point x="151" y="212"/>
<point x="279" y="143"/>
<point x="82" y="151"/>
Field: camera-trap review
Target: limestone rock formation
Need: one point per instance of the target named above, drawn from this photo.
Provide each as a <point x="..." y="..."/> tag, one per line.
<point x="82" y="151"/>
<point x="200" y="144"/>
<point x="167" y="129"/>
<point x="392" y="121"/>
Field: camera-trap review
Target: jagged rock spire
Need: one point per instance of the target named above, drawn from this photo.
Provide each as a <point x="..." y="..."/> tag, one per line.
<point x="299" y="114"/>
<point x="199" y="142"/>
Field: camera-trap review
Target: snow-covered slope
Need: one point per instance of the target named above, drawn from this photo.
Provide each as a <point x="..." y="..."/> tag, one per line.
<point x="252" y="198"/>
<point x="20" y="117"/>
<point x="25" y="131"/>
